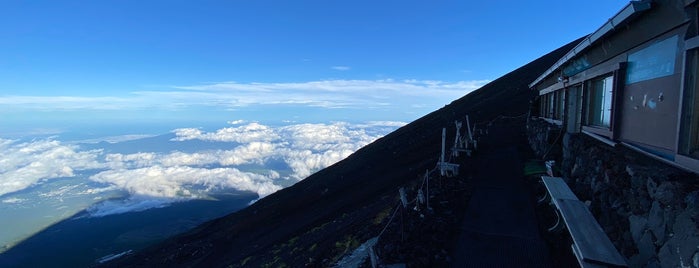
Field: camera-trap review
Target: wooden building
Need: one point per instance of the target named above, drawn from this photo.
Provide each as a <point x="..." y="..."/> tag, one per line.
<point x="633" y="82"/>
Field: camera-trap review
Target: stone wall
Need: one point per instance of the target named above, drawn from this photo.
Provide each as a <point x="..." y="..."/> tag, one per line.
<point x="649" y="209"/>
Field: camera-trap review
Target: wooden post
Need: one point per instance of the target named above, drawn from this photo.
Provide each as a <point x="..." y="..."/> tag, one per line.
<point x="427" y="176"/>
<point x="403" y="198"/>
<point x="402" y="227"/>
<point x="458" y="144"/>
<point x="444" y="140"/>
<point x="374" y="259"/>
<point x="468" y="126"/>
<point x="441" y="157"/>
<point x="420" y="197"/>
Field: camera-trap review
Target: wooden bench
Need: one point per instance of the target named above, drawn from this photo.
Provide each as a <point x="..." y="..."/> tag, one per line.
<point x="591" y="246"/>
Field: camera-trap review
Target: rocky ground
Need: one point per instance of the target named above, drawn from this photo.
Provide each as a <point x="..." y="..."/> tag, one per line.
<point x="650" y="210"/>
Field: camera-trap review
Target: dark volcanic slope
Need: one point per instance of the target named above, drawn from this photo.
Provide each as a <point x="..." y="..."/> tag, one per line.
<point x="371" y="173"/>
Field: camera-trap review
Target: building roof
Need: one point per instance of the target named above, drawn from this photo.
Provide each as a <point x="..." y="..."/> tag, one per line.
<point x="631" y="10"/>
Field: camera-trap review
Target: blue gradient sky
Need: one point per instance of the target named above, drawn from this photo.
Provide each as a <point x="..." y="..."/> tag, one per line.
<point x="96" y="65"/>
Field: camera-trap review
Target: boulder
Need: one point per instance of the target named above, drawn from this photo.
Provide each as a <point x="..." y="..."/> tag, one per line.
<point x="656" y="221"/>
<point x="637" y="226"/>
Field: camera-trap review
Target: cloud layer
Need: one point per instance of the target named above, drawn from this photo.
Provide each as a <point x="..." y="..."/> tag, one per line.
<point x="341" y="68"/>
<point x="171" y="182"/>
<point x="154" y="179"/>
<point x="365" y="94"/>
<point x="305" y="148"/>
<point x="26" y="163"/>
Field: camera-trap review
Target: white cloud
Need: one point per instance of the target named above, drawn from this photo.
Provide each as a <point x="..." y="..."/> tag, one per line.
<point x="242" y="134"/>
<point x="182" y="181"/>
<point x="340" y="93"/>
<point x="132" y="204"/>
<point x="314" y="135"/>
<point x="254" y="152"/>
<point x="156" y="179"/>
<point x="70" y="102"/>
<point x="116" y="139"/>
<point x="341" y="68"/>
<point x="24" y="164"/>
<point x="395" y="124"/>
<point x="236" y="122"/>
<point x="304" y="162"/>
<point x="306" y="148"/>
<point x="59" y="192"/>
<point x="365" y="94"/>
<point x="136" y="160"/>
<point x="13" y="200"/>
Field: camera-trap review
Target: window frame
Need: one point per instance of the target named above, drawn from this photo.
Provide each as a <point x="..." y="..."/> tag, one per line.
<point x="687" y="125"/>
<point x="587" y="88"/>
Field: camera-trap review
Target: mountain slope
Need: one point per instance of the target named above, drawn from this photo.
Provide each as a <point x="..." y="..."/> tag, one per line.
<point x="339" y="200"/>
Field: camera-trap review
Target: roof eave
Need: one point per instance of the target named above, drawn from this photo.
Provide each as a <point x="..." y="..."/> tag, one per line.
<point x="631" y="10"/>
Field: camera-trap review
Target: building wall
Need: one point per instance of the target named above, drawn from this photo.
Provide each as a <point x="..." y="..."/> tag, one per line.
<point x="648" y="209"/>
<point x="648" y="121"/>
<point x="647" y="98"/>
<point x="649" y="108"/>
<point x="664" y="16"/>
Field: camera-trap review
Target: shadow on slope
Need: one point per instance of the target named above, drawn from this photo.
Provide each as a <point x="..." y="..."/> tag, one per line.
<point x="355" y="186"/>
<point x="80" y="241"/>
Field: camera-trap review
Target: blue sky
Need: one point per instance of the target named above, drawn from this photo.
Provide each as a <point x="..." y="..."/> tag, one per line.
<point x="96" y="65"/>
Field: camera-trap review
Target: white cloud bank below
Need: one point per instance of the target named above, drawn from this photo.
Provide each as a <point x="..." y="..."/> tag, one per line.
<point x="24" y="164"/>
<point x="156" y="179"/>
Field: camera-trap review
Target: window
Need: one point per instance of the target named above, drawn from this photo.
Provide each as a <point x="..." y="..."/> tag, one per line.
<point x="547" y="105"/>
<point x="552" y="105"/>
<point x="560" y="104"/>
<point x="689" y="128"/>
<point x="599" y="101"/>
<point x="543" y="101"/>
<point x="574" y="101"/>
<point x="656" y="60"/>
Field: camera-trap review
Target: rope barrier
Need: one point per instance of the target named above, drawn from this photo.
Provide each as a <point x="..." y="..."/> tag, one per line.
<point x="560" y="133"/>
<point x="431" y="173"/>
<point x="389" y="221"/>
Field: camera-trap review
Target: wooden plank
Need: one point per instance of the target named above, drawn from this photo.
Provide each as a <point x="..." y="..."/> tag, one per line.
<point x="581" y="262"/>
<point x="449" y="166"/>
<point x="591" y="241"/>
<point x="558" y="189"/>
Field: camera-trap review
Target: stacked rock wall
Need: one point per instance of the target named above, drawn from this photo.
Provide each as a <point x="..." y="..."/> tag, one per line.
<point x="649" y="209"/>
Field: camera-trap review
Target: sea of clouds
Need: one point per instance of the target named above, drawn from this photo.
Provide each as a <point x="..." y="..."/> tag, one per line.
<point x="250" y="161"/>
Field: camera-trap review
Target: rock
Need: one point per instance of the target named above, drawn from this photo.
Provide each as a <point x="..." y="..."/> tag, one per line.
<point x="656" y="221"/>
<point x="637" y="226"/>
<point x="687" y="235"/>
<point x="692" y="201"/>
<point x="651" y="187"/>
<point x="695" y="259"/>
<point x="644" y="203"/>
<point x="631" y="171"/>
<point x="680" y="249"/>
<point x="576" y="171"/>
<point x="667" y="256"/>
<point x="637" y="182"/>
<point x="635" y="261"/>
<point x="665" y="193"/>
<point x="653" y="263"/>
<point x="578" y="168"/>
<point x="646" y="248"/>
